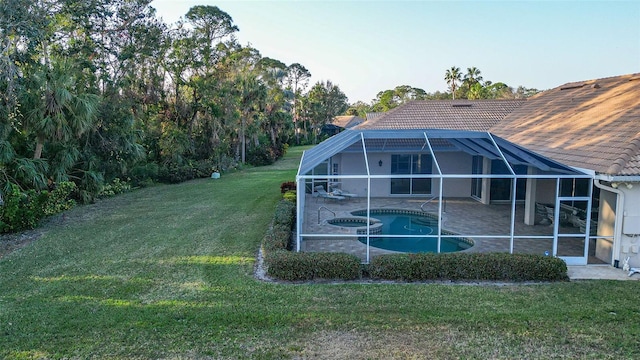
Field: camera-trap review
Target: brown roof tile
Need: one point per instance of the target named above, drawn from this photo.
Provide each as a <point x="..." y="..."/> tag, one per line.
<point x="592" y="124"/>
<point x="477" y="115"/>
<point x="347" y="121"/>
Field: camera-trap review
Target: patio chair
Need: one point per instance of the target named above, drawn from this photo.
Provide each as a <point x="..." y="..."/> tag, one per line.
<point x="339" y="192"/>
<point x="541" y="213"/>
<point x="320" y="192"/>
<point x="551" y="215"/>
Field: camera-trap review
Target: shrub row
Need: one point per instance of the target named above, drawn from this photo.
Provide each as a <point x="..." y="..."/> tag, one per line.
<point x="284" y="264"/>
<point x="173" y="173"/>
<point x="23" y="210"/>
<point x="468" y="266"/>
<point x="293" y="266"/>
<point x="285" y="214"/>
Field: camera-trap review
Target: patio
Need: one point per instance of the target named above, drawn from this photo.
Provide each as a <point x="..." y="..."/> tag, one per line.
<point x="463" y="216"/>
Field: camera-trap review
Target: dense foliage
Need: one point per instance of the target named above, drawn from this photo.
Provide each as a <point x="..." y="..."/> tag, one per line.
<point x="103" y="90"/>
<point x="24" y="209"/>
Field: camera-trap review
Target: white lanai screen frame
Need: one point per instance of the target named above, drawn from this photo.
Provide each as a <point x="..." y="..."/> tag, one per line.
<point x="452" y="154"/>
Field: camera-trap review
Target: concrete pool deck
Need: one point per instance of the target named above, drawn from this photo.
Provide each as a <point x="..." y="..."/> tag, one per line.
<point x="599" y="272"/>
<point x="462" y="216"/>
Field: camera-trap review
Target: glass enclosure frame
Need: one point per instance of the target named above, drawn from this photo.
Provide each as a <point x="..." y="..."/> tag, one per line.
<point x="366" y="146"/>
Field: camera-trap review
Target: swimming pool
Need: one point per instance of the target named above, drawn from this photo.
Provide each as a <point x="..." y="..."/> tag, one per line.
<point x="423" y="227"/>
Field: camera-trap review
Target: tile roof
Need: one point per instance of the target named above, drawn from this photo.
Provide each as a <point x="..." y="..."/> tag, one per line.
<point x="591" y="124"/>
<point x="476" y="115"/>
<point x="373" y="115"/>
<point x="347" y="121"/>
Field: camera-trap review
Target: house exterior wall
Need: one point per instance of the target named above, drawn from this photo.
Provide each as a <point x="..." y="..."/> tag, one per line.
<point x="352" y="164"/>
<point x="450" y="163"/>
<point x="546" y="191"/>
<point x="380" y="187"/>
<point x="630" y="237"/>
<point x="454" y="163"/>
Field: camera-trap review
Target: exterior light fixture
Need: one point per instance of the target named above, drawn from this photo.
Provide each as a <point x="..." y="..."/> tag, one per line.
<point x="380" y="163"/>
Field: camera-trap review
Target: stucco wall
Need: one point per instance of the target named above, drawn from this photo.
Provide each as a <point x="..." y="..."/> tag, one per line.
<point x="452" y="163"/>
<point x="546" y="191"/>
<point x="630" y="244"/>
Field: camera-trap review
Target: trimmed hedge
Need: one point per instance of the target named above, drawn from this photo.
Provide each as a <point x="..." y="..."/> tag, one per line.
<point x="285" y="214"/>
<point x="292" y="266"/>
<point x="277" y="238"/>
<point x="468" y="266"/>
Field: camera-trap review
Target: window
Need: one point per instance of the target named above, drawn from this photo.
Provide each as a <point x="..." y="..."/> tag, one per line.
<point x="501" y="188"/>
<point x="411" y="165"/>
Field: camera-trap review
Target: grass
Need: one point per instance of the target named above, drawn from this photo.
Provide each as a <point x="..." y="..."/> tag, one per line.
<point x="167" y="272"/>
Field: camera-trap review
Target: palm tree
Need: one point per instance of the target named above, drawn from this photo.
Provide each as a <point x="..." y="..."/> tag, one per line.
<point x="472" y="77"/>
<point x="453" y="76"/>
<point x="59" y="110"/>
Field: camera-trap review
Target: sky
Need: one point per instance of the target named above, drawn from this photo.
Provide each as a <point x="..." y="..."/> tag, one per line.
<point x="366" y="47"/>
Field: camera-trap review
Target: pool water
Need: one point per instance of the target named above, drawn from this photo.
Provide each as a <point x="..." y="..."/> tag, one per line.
<point x="410" y="224"/>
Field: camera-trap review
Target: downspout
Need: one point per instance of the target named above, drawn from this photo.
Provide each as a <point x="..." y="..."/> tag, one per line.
<point x="617" y="233"/>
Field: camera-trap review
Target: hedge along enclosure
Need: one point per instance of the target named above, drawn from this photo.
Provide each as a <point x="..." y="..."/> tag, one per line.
<point x="284" y="264"/>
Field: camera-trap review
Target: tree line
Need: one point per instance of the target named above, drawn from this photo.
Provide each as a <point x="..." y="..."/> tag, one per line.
<point x="103" y="95"/>
<point x="100" y="96"/>
<point x="469" y="85"/>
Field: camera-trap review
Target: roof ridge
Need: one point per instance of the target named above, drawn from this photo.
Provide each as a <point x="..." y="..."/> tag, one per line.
<point x="383" y="115"/>
<point x="632" y="149"/>
<point x="629" y="76"/>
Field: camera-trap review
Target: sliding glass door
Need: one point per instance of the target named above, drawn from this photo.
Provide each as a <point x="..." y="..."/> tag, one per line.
<point x="411" y="164"/>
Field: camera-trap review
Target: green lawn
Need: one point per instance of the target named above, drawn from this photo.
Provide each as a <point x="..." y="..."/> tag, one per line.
<point x="167" y="272"/>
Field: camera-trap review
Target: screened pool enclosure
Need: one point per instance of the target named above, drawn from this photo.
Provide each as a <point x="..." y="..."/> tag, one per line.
<point x="371" y="192"/>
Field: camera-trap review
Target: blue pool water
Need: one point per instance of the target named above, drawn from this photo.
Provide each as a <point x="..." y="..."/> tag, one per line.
<point x="411" y="224"/>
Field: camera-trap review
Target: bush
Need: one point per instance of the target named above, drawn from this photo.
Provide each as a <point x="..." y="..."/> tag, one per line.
<point x="277" y="238"/>
<point x="116" y="187"/>
<point x="293" y="266"/>
<point x="59" y="199"/>
<point x="261" y="156"/>
<point x="21" y="210"/>
<point x="284" y="214"/>
<point x="204" y="168"/>
<point x="468" y="266"/>
<point x="290" y="196"/>
<point x="286" y="265"/>
<point x="287" y="186"/>
<point x="144" y="174"/>
<point x="174" y="173"/>
<point x="24" y="210"/>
